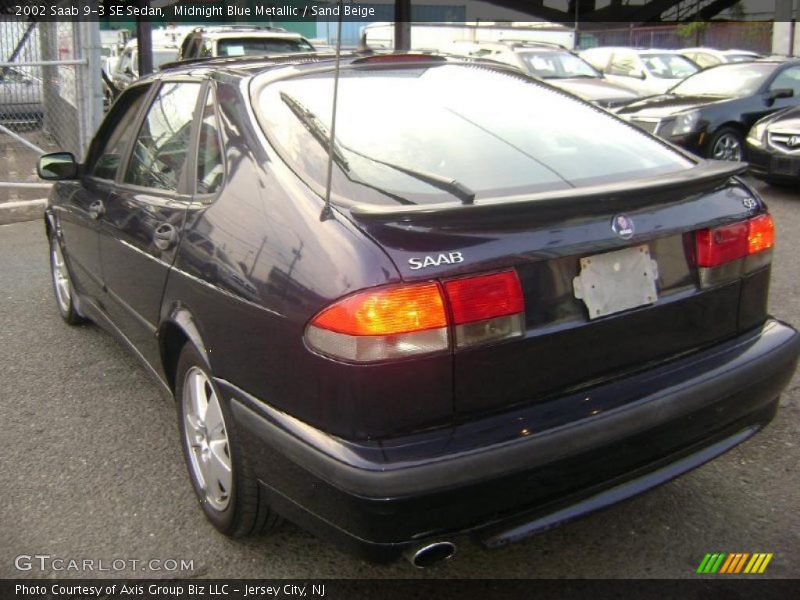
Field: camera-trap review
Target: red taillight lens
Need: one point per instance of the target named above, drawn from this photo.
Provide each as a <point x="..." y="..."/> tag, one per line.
<point x="484" y="297"/>
<point x="486" y="308"/>
<point x="721" y="245"/>
<point x="386" y="311"/>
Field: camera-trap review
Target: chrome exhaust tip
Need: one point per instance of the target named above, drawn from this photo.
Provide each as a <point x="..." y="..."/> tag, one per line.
<point x="430" y="554"/>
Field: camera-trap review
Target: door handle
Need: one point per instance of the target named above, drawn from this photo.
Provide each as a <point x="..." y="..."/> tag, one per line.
<point x="97" y="209"/>
<point x="164" y="236"/>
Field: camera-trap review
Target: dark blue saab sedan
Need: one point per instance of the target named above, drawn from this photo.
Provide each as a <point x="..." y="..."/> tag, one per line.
<point x="483" y="307"/>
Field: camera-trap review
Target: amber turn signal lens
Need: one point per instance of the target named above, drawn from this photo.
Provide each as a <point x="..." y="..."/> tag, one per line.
<point x="386" y="311"/>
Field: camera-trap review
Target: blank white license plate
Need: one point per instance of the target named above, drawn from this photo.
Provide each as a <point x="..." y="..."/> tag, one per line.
<point x="615" y="281"/>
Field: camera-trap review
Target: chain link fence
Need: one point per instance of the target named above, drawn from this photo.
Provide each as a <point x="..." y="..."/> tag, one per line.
<point x="50" y="99"/>
<point x="745" y="35"/>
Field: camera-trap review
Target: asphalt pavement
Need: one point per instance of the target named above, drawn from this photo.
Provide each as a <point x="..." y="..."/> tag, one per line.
<point x="91" y="468"/>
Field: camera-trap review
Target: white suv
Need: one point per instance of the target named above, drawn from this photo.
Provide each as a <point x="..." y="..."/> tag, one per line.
<point x="210" y="42"/>
<point x="647" y="72"/>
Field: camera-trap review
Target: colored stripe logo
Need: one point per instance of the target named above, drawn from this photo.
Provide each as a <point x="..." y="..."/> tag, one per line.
<point x="734" y="563"/>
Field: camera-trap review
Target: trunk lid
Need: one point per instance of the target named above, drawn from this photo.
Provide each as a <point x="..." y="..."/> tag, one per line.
<point x="544" y="240"/>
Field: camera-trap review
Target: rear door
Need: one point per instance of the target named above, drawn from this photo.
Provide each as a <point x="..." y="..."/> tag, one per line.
<point x="145" y="212"/>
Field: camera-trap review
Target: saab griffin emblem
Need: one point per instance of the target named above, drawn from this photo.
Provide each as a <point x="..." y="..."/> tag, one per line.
<point x="451" y="258"/>
<point x="622" y="226"/>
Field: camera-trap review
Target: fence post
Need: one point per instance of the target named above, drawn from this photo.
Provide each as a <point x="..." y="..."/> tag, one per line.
<point x="90" y="90"/>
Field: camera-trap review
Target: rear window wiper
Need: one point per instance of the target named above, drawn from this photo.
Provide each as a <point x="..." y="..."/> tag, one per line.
<point x="315" y="127"/>
<point x="321" y="133"/>
<point x="447" y="184"/>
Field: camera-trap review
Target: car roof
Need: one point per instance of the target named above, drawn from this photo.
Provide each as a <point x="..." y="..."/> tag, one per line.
<point x="285" y="65"/>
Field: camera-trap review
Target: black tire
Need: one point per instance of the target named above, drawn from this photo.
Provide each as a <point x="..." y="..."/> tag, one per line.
<point x="247" y="511"/>
<point x="63" y="289"/>
<point x="725" y="142"/>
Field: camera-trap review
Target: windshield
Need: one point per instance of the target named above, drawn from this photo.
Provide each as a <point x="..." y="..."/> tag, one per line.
<point x="730" y="81"/>
<point x="257" y="46"/>
<point x="422" y="135"/>
<point x="668" y="66"/>
<point x="557" y="65"/>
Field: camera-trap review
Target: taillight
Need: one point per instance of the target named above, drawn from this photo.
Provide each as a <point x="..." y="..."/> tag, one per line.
<point x="721" y="245"/>
<point x="381" y="324"/>
<point x="486" y="308"/>
<point x="407" y="320"/>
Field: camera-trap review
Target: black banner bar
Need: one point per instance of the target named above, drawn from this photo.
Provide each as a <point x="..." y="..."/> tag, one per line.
<point x="699" y="588"/>
<point x="217" y="12"/>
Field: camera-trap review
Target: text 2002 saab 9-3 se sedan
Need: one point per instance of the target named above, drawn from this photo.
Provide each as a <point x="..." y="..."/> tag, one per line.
<point x="514" y="309"/>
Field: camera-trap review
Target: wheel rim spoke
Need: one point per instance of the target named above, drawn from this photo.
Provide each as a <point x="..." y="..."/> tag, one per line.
<point x="219" y="470"/>
<point x="215" y="425"/>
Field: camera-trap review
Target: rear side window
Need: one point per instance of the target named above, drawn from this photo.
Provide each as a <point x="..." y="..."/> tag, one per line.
<point x="493" y="132"/>
<point x="210" y="165"/>
<point x="161" y="147"/>
<point x="115" y="133"/>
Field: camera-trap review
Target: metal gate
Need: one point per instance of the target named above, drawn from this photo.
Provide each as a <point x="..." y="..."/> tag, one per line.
<point x="50" y="99"/>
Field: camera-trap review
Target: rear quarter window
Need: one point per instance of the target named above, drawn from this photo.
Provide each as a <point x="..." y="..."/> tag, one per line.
<point x="496" y="133"/>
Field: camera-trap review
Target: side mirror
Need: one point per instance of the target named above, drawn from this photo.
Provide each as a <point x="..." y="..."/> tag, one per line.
<point x="781" y="93"/>
<point x="57" y="165"/>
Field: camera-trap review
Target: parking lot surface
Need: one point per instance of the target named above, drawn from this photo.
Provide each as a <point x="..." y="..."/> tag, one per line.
<point x="91" y="467"/>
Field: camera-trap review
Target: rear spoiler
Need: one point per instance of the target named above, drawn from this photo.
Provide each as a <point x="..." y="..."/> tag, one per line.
<point x="705" y="175"/>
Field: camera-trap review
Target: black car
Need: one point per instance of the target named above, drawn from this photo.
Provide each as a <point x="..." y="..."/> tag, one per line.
<point x="773" y="148"/>
<point x="711" y="112"/>
<point x="485" y="323"/>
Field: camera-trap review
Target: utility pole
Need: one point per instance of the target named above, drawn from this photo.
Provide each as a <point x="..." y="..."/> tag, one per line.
<point x="402" y="25"/>
<point x="144" y="40"/>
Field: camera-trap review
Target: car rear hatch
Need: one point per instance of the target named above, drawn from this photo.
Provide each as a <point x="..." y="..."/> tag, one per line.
<point x="609" y="277"/>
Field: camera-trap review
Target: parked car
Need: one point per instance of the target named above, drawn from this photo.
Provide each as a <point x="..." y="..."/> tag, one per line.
<point x="127" y="70"/>
<point x="211" y="42"/>
<point x="20" y="98"/>
<point x="773" y="147"/>
<point x="555" y="64"/>
<point x="711" y="57"/>
<point x="647" y="72"/>
<point x="495" y="321"/>
<point x="711" y="112"/>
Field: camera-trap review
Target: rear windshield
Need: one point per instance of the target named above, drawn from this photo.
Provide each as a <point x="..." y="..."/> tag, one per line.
<point x="401" y="133"/>
<point x="257" y="46"/>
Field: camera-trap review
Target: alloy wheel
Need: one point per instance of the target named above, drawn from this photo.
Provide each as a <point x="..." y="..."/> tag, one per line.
<point x="207" y="439"/>
<point x="727" y="147"/>
<point x="61" y="281"/>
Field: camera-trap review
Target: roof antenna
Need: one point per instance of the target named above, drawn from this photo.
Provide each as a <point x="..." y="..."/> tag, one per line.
<point x="327" y="213"/>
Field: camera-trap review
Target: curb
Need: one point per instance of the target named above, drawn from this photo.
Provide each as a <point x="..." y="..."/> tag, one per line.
<point x="23" y="210"/>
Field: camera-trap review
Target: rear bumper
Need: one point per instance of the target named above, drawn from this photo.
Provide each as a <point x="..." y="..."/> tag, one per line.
<point x="503" y="478"/>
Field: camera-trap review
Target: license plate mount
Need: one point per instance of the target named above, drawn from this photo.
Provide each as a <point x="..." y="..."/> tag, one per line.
<point x="785" y="165"/>
<point x="616" y="281"/>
